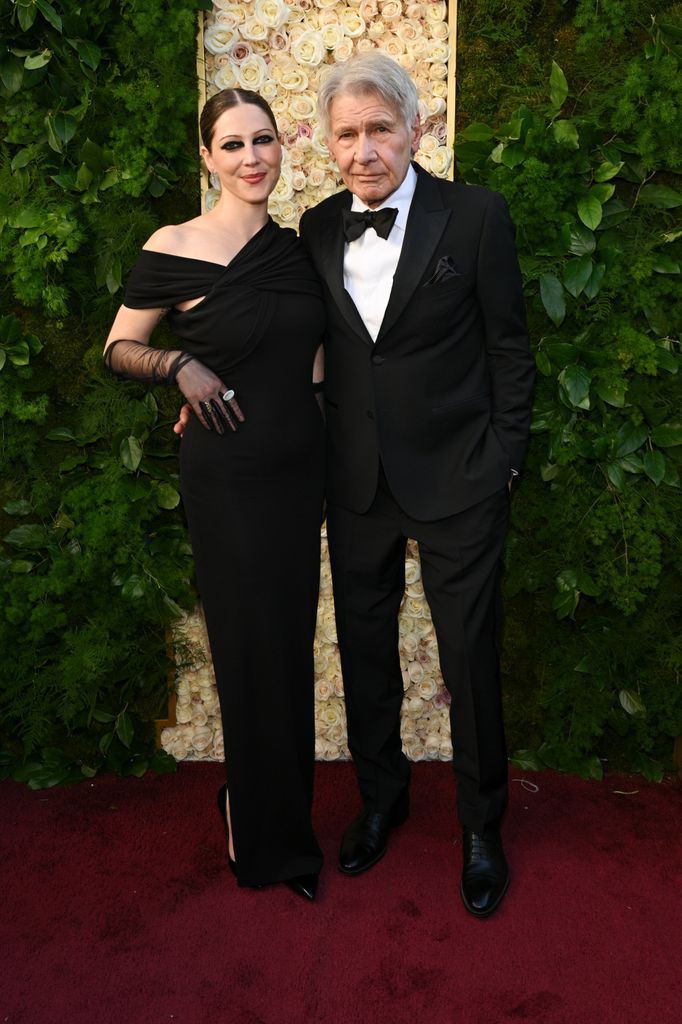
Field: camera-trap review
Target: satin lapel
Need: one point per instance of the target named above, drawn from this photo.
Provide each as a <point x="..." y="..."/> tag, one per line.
<point x="426" y="223"/>
<point x="332" y="256"/>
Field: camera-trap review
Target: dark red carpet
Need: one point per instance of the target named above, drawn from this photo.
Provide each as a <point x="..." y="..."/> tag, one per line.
<point x="119" y="908"/>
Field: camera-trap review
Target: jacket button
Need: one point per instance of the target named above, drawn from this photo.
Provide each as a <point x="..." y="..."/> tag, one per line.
<point x="378" y="360"/>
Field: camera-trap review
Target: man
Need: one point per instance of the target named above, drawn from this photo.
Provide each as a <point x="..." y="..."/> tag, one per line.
<point x="428" y="397"/>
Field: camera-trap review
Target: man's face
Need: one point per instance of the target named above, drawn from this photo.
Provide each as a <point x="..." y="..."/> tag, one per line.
<point x="371" y="145"/>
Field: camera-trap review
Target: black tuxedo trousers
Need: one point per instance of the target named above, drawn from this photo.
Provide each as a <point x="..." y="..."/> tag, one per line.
<point x="460" y="559"/>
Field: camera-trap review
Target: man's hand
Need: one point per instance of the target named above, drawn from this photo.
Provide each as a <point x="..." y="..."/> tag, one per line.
<point x="183" y="419"/>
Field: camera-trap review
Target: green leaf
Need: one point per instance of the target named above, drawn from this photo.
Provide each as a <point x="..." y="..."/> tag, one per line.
<point x="576" y="275"/>
<point x="65" y="126"/>
<point x="616" y="476"/>
<point x="607" y="170"/>
<point x="11" y="72"/>
<point x="565" y="603"/>
<point x="591" y="768"/>
<point x="595" y="282"/>
<point x="660" y="196"/>
<point x="654" y="466"/>
<point x="631" y="703"/>
<point x="589" y="211"/>
<point x="527" y="760"/>
<point x="125" y="729"/>
<point x="39" y="61"/>
<point x="631" y="463"/>
<point x="61" y="434"/>
<point x="629" y="438"/>
<point x="30" y="535"/>
<point x="88" y="52"/>
<point x="574" y="385"/>
<point x="665" y="265"/>
<point x="133" y="588"/>
<point x="543" y="363"/>
<point x="602" y="193"/>
<point x="93" y="156"/>
<point x="552" y="295"/>
<point x="19" y="565"/>
<point x="558" y="87"/>
<point x="167" y="496"/>
<point x="667" y="435"/>
<point x="612" y="393"/>
<point x="163" y="763"/>
<point x="100" y="715"/>
<point x="20" y="507"/>
<point x="566" y="134"/>
<point x="131" y="453"/>
<point x="26" y="15"/>
<point x="477" y="132"/>
<point x="27" y="217"/>
<point x="583" y="240"/>
<point x="48" y="12"/>
<point x="513" y="154"/>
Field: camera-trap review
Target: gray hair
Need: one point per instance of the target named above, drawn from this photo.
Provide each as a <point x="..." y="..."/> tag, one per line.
<point x="371" y="72"/>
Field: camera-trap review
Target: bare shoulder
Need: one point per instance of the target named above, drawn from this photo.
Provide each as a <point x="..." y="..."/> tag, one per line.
<point x="176" y="239"/>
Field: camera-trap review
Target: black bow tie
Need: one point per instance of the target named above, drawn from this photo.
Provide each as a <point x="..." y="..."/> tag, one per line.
<point x="356" y="223"/>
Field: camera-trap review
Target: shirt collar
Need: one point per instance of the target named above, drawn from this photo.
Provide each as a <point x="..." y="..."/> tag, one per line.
<point x="400" y="199"/>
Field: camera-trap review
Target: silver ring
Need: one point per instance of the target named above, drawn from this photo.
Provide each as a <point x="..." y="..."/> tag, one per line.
<point x="228" y="395"/>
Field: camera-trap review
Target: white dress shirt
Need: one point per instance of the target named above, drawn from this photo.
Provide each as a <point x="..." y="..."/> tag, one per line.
<point x="370" y="262"/>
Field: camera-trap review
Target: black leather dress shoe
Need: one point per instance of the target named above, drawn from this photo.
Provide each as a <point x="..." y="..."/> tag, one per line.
<point x="485" y="875"/>
<point x="303" y="885"/>
<point x="364" y="841"/>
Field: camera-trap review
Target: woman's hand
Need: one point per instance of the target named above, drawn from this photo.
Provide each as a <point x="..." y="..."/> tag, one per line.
<point x="213" y="403"/>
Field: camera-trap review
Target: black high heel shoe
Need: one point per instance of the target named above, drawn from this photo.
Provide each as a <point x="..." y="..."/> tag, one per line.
<point x="302" y="885"/>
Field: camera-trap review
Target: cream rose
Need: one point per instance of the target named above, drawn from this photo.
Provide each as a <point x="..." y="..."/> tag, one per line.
<point x="332" y="35"/>
<point x="391" y="10"/>
<point x="254" y="29"/>
<point x="343" y="50"/>
<point x="408" y="31"/>
<point x="308" y="49"/>
<point x="441" y="161"/>
<point x="202" y="738"/>
<point x="302" y="106"/>
<point x="354" y="24"/>
<point x="435" y="11"/>
<point x="226" y="77"/>
<point x="369" y="10"/>
<point x="376" y="30"/>
<point x="427" y="688"/>
<point x="293" y="79"/>
<point x="316" y="177"/>
<point x="406" y="61"/>
<point x="253" y="72"/>
<point x="392" y="45"/>
<point x="439" y="30"/>
<point x="298" y="181"/>
<point x="273" y="13"/>
<point x="428" y="144"/>
<point x="286" y="213"/>
<point x="364" y="46"/>
<point x="438" y="71"/>
<point x="219" y="38"/>
<point x="413" y="11"/>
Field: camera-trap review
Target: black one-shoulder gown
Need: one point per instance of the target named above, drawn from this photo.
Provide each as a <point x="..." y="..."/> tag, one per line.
<point x="253" y="501"/>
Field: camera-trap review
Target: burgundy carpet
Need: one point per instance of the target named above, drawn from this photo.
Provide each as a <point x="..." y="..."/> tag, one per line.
<point x="119" y="909"/>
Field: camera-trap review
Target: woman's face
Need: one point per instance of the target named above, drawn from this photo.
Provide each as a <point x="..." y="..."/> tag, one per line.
<point x="245" y="153"/>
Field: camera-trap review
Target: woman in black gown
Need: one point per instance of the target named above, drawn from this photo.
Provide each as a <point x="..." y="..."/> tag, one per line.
<point x="246" y="305"/>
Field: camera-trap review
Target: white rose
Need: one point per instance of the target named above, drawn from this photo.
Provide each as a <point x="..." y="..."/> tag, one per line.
<point x="392" y="45"/>
<point x="273" y="13"/>
<point x="391" y="10"/>
<point x="254" y="29"/>
<point x="179" y="749"/>
<point x="438" y="71"/>
<point x="298" y="181"/>
<point x="343" y="50"/>
<point x="316" y="177"/>
<point x="436" y="106"/>
<point x="283" y="190"/>
<point x="432" y="747"/>
<point x="439" y="30"/>
<point x="438" y="51"/>
<point x="427" y="688"/>
<point x="332" y="35"/>
<point x="337" y="734"/>
<point x="229" y="7"/>
<point x="322" y="4"/>
<point x="253" y="72"/>
<point x="320" y="748"/>
<point x="323" y="690"/>
<point x="406" y="61"/>
<point x="302" y="106"/>
<point x="436" y="11"/>
<point x="199" y="716"/>
<point x="375" y="30"/>
<point x="183" y="714"/>
<point x="413" y="570"/>
<point x="202" y="738"/>
<point x="369" y="10"/>
<point x="294" y="79"/>
<point x="219" y="38"/>
<point x="413" y="707"/>
<point x="268" y="90"/>
<point x="415" y="750"/>
<point x="408" y="31"/>
<point x="428" y="144"/>
<point x="446" y="749"/>
<point x="415" y="672"/>
<point x="414" y="11"/>
<point x="364" y="46"/>
<point x="309" y="49"/>
<point x="409" y="644"/>
<point x="226" y="77"/>
<point x="441" y="161"/>
<point x="286" y="214"/>
<point x="353" y="23"/>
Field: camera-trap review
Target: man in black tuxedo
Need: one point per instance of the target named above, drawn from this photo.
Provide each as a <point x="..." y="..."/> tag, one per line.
<point x="428" y="388"/>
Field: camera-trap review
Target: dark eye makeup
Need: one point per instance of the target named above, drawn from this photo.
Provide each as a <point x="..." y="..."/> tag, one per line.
<point x="260" y="140"/>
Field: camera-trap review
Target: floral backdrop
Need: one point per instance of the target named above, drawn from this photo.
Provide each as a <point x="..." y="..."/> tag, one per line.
<point x="280" y="50"/>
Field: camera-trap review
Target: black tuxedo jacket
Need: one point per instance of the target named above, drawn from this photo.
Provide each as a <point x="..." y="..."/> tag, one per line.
<point x="443" y="397"/>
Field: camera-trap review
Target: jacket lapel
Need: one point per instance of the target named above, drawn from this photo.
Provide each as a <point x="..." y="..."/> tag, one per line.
<point x="332" y="252"/>
<point x="426" y="223"/>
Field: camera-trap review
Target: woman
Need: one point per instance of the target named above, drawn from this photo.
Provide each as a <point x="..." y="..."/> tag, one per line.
<point x="246" y="304"/>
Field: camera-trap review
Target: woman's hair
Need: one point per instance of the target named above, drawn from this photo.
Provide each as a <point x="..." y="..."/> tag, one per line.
<point x="372" y="72"/>
<point x="225" y="100"/>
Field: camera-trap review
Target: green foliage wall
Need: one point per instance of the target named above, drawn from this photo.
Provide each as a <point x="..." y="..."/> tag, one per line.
<point x="585" y="147"/>
<point x="572" y="111"/>
<point x="98" y="149"/>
